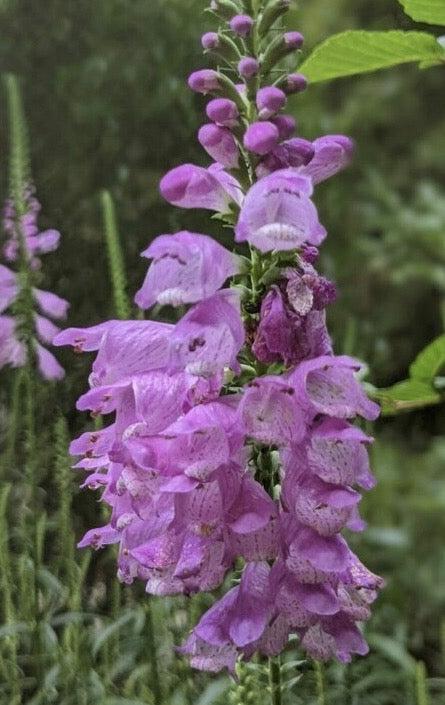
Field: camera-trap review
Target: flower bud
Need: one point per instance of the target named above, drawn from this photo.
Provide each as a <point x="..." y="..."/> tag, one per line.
<point x="210" y="40"/>
<point x="294" y="83"/>
<point x="309" y="253"/>
<point x="272" y="12"/>
<point x="248" y="67"/>
<point x="261" y="137"/>
<point x="241" y="25"/>
<point x="286" y="125"/>
<point x="220" y="44"/>
<point x="282" y="45"/>
<point x="269" y="100"/>
<point x="220" y="144"/>
<point x="204" y="81"/>
<point x="293" y="40"/>
<point x="223" y="112"/>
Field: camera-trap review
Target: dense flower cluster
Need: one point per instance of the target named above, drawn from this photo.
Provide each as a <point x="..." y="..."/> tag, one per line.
<point x="232" y="435"/>
<point x="24" y="243"/>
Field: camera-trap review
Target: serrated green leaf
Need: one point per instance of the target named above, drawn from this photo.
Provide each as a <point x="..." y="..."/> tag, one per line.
<point x="429" y="11"/>
<point x="407" y="395"/>
<point x="430" y="360"/>
<point x="354" y="52"/>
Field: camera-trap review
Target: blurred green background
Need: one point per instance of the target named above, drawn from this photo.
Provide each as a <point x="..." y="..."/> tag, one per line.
<point x="104" y="85"/>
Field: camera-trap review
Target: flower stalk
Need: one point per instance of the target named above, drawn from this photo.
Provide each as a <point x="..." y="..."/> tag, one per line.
<point x="233" y="442"/>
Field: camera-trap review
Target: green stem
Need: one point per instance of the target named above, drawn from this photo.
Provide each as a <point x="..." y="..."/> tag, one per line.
<point x="319" y="679"/>
<point x="115" y="257"/>
<point x="14" y="420"/>
<point x="422" y="697"/>
<point x="151" y="643"/>
<point x="275" y="681"/>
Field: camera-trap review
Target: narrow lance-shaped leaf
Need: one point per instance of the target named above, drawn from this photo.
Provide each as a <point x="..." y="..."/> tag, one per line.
<point x="429" y="361"/>
<point x="430" y="11"/>
<point x="355" y="52"/>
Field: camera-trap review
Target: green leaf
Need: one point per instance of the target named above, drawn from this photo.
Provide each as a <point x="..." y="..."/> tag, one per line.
<point x="430" y="360"/>
<point x="407" y="395"/>
<point x="354" y="52"/>
<point x="430" y="11"/>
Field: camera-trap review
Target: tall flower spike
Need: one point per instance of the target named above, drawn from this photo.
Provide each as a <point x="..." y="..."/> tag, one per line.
<point x="243" y="392"/>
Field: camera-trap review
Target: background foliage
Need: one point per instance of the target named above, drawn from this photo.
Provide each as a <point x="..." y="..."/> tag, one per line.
<point x="107" y="106"/>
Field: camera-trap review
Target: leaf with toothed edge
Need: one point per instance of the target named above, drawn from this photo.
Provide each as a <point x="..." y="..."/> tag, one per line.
<point x="355" y="51"/>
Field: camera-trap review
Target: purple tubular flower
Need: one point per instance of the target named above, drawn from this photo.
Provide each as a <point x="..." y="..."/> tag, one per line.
<point x="223" y="111"/>
<point x="186" y="268"/>
<point x="209" y="336"/>
<point x="327" y="385"/>
<point x="295" y="83"/>
<point x="248" y="67"/>
<point x="331" y="154"/>
<point x="293" y="40"/>
<point x="277" y="213"/>
<point x="191" y="186"/>
<point x="269" y="100"/>
<point x="294" y="153"/>
<point x="204" y="81"/>
<point x="261" y="137"/>
<point x="286" y="125"/>
<point x="241" y="25"/>
<point x="220" y="144"/>
<point x="269" y="412"/>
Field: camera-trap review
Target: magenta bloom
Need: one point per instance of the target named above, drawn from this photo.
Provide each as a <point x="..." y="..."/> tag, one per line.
<point x="220" y="144"/>
<point x="190" y="186"/>
<point x="209" y="336"/>
<point x="278" y="214"/>
<point x="186" y="268"/>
